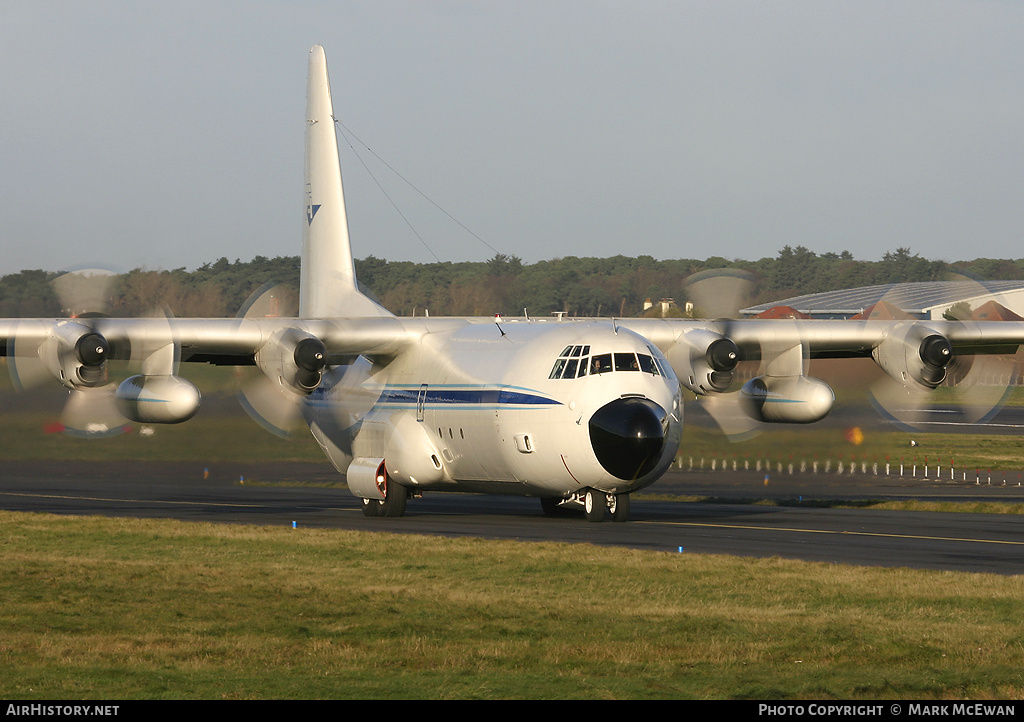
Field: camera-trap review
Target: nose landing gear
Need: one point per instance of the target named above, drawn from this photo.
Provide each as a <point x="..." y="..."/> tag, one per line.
<point x="597" y="505"/>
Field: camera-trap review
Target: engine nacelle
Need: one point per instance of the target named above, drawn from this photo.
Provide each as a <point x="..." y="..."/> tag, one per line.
<point x="704" y="361"/>
<point x="157" y="399"/>
<point x="294" y="359"/>
<point x="914" y="355"/>
<point x="76" y="355"/>
<point x="786" y="399"/>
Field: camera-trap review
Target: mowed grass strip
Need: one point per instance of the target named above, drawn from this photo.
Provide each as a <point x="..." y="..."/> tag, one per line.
<point x="121" y="608"/>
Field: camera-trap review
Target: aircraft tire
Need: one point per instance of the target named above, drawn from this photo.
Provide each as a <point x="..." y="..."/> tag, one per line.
<point x="620" y="511"/>
<point x="595" y="505"/>
<point x="371" y="507"/>
<point x="393" y="504"/>
<point x="394" y="500"/>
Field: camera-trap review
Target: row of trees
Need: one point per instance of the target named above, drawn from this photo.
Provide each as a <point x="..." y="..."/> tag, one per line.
<point x="614" y="286"/>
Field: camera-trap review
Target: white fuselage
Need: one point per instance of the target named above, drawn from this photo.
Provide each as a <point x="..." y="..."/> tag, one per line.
<point x="502" y="408"/>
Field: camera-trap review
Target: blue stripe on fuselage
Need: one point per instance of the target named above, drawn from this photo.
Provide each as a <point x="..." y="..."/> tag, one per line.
<point x="448" y="396"/>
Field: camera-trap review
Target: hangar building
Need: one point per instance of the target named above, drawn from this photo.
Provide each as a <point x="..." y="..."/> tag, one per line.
<point x="926" y="300"/>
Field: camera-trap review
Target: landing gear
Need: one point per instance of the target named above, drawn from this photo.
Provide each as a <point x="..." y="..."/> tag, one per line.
<point x="393" y="504"/>
<point x="596" y="504"/>
<point x="619" y="507"/>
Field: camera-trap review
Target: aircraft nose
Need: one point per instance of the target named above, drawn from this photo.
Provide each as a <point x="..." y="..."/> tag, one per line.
<point x="628" y="436"/>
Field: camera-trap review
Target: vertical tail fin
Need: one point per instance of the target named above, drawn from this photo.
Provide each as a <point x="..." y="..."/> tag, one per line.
<point x="328" y="280"/>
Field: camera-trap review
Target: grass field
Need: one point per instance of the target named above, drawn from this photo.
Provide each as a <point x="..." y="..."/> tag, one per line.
<point x="119" y="609"/>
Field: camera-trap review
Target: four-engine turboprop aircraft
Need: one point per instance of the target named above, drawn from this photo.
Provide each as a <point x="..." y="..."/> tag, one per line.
<point x="579" y="413"/>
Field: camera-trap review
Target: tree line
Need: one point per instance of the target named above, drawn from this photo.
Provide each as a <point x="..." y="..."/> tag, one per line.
<point x="616" y="286"/>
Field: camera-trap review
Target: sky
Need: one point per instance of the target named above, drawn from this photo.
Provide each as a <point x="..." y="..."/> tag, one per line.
<point x="166" y="135"/>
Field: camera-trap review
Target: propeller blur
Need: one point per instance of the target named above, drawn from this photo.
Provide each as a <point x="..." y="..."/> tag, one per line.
<point x="579" y="413"/>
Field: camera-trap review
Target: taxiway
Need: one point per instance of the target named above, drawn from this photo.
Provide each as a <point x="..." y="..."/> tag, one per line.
<point x="718" y="524"/>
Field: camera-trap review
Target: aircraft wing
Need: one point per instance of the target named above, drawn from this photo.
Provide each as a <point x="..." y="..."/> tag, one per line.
<point x="233" y="341"/>
<point x="291" y="353"/>
<point x="977" y="358"/>
<point x="224" y="341"/>
<point x="830" y="338"/>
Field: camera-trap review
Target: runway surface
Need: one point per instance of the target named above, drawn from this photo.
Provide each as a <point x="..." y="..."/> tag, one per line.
<point x="236" y="493"/>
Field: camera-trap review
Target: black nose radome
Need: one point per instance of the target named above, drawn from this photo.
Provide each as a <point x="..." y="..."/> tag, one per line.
<point x="628" y="436"/>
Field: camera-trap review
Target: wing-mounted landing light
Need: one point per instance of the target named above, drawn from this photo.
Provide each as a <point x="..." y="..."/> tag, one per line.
<point x="291" y="365"/>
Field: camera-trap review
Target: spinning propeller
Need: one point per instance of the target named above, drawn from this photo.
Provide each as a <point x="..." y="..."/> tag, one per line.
<point x="291" y="365"/>
<point x="720" y="294"/>
<point x="76" y="352"/>
<point x="927" y="385"/>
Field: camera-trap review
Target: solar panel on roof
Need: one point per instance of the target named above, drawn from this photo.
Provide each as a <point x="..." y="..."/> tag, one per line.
<point x="915" y="298"/>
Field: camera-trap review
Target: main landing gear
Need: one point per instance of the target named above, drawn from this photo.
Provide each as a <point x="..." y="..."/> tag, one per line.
<point x="393" y="504"/>
<point x="597" y="505"/>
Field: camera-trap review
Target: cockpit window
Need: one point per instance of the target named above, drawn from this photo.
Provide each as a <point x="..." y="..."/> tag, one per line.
<point x="601" y="364"/>
<point x="576" y="362"/>
<point x="663" y="365"/>
<point x="626" y="362"/>
<point x="572" y="361"/>
<point x="647" y="364"/>
<point x="556" y="370"/>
